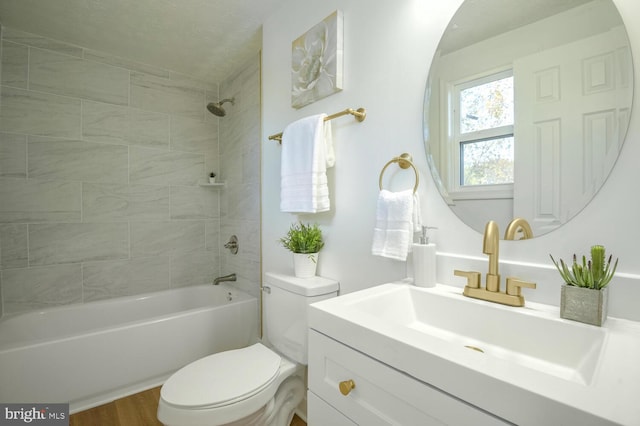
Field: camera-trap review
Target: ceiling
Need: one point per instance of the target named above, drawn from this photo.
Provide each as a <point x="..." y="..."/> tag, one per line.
<point x="205" y="39"/>
<point x="479" y="20"/>
<point x="210" y="39"/>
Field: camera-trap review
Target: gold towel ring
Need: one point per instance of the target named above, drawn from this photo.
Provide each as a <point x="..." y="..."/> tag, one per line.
<point x="404" y="161"/>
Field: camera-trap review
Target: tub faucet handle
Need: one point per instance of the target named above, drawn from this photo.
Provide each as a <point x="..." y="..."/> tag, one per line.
<point x="232" y="244"/>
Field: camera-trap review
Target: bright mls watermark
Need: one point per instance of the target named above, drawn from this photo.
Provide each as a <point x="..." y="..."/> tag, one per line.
<point x="36" y="414"/>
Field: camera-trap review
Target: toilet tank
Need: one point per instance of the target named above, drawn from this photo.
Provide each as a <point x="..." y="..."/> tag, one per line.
<point x="285" y="300"/>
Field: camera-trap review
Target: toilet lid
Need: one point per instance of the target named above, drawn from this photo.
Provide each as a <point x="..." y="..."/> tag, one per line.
<point x="222" y="378"/>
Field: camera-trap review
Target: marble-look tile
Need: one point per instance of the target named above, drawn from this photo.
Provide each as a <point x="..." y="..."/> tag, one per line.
<point x="37" y="113"/>
<point x="105" y="280"/>
<point x="188" y="81"/>
<point x="248" y="277"/>
<point x="77" y="242"/>
<point x="41" y="42"/>
<point x="248" y="233"/>
<point x="164" y="238"/>
<point x="66" y="75"/>
<point x="13" y="155"/>
<point x="194" y="203"/>
<point x="13" y="246"/>
<point x="105" y="202"/>
<point x="193" y="268"/>
<point x="76" y="160"/>
<point x="116" y="61"/>
<point x="247" y="271"/>
<point x="15" y="65"/>
<point x="43" y="287"/>
<point x="192" y="135"/>
<point x="157" y="167"/>
<point x="154" y="93"/>
<point x="31" y="200"/>
<point x="244" y="203"/>
<point x="125" y="126"/>
<point x="251" y="163"/>
<point x="212" y="236"/>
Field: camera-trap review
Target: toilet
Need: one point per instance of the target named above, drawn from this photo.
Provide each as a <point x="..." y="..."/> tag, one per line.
<point x="261" y="384"/>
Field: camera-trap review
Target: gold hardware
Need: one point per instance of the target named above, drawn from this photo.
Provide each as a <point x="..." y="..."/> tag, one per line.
<point x="491" y="292"/>
<point x="404" y="161"/>
<point x="359" y="114"/>
<point x="518" y="225"/>
<point x="346" y="386"/>
<point x="473" y="278"/>
<point x="514" y="285"/>
<point x="474" y="348"/>
<point x="491" y="246"/>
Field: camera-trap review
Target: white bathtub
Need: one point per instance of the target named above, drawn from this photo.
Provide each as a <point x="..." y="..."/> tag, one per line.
<point x="92" y="353"/>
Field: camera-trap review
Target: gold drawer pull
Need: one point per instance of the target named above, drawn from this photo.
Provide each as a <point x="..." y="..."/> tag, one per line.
<point x="346" y="386"/>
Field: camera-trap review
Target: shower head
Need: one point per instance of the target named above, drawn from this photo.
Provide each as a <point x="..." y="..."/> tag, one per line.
<point x="215" y="108"/>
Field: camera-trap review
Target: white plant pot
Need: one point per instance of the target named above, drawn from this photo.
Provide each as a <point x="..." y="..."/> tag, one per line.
<point x="305" y="264"/>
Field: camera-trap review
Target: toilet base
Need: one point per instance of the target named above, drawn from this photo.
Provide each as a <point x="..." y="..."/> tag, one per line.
<point x="279" y="410"/>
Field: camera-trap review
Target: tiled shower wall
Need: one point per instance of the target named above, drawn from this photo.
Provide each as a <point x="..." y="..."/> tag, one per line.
<point x="100" y="164"/>
<point x="240" y="168"/>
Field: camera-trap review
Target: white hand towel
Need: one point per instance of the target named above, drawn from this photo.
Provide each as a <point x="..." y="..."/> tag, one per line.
<point x="307" y="152"/>
<point x="417" y="214"/>
<point x="396" y="216"/>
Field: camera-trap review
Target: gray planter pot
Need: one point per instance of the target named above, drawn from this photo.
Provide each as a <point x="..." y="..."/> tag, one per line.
<point x="584" y="304"/>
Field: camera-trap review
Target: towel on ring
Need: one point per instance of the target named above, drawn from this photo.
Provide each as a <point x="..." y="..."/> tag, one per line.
<point x="397" y="218"/>
<point x="307" y="152"/>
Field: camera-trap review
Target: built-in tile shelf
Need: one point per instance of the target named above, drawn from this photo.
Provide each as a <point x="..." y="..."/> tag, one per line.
<point x="214" y="185"/>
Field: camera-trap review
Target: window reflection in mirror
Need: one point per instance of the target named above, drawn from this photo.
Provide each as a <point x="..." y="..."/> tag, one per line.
<point x="483" y="131"/>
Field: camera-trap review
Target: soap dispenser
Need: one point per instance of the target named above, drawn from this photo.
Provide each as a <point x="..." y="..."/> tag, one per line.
<point x="424" y="260"/>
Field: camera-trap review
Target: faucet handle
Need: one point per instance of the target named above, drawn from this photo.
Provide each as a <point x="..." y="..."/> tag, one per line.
<point x="473" y="278"/>
<point x="515" y="284"/>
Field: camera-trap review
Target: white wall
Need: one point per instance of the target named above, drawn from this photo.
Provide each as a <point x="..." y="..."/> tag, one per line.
<point x="388" y="47"/>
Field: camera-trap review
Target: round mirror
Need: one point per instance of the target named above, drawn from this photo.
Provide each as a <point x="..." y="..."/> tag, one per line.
<point x="526" y="108"/>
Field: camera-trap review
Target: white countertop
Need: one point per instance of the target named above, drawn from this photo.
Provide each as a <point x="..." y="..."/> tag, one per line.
<point x="513" y="392"/>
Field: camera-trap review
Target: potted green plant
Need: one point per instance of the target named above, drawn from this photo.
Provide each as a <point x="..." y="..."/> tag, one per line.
<point x="584" y="296"/>
<point x="305" y="242"/>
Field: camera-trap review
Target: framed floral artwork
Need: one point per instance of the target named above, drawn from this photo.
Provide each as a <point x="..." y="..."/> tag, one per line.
<point x="316" y="62"/>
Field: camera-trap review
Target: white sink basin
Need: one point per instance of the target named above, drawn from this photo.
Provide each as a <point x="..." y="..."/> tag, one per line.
<point x="568" y="350"/>
<point x="535" y="368"/>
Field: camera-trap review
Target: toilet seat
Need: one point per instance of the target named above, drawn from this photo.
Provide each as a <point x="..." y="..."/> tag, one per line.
<point x="222" y="379"/>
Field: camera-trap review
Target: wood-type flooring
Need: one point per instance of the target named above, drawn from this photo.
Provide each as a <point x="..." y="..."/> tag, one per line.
<point x="134" y="410"/>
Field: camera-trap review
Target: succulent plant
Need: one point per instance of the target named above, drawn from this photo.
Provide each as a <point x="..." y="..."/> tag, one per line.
<point x="595" y="273"/>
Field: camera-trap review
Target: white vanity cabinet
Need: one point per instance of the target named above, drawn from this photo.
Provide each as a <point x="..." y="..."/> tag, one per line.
<point x="381" y="395"/>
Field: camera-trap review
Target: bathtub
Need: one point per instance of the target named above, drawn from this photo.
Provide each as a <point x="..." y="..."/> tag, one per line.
<point x="93" y="353"/>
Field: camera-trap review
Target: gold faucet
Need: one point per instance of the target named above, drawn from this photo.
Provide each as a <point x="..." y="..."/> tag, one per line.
<point x="518" y="225"/>
<point x="512" y="296"/>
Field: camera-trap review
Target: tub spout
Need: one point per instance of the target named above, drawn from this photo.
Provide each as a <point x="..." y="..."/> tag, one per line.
<point x="230" y="277"/>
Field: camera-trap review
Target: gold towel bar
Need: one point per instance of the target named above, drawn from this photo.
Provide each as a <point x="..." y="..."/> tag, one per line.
<point x="404" y="161"/>
<point x="360" y="114"/>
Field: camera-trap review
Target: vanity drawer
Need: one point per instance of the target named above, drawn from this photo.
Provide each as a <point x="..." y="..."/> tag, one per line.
<point x="323" y="414"/>
<point x="382" y="395"/>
